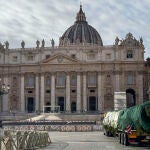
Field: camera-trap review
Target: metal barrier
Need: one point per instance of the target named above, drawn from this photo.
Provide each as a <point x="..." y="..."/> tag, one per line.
<point x="24" y="140"/>
<point x="61" y="128"/>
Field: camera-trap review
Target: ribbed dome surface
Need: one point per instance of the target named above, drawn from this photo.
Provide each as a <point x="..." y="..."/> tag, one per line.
<point x="81" y="32"/>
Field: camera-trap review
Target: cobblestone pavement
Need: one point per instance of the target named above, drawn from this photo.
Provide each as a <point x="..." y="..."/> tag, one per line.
<point x="86" y="141"/>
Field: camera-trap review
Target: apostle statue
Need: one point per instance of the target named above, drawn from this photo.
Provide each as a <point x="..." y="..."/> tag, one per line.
<point x="7" y="44"/>
<point x="141" y="41"/>
<point x="43" y="43"/>
<point x="22" y="44"/>
<point x="37" y="44"/>
<point x="1" y="46"/>
<point x="52" y="42"/>
<point x="116" y="41"/>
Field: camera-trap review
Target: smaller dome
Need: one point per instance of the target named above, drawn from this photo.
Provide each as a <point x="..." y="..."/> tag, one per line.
<point x="81" y="32"/>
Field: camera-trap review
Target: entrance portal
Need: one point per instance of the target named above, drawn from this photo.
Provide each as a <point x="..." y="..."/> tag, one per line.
<point x="92" y="103"/>
<point x="61" y="103"/>
<point x="30" y="105"/>
<point x="131" y="98"/>
<point x="73" y="107"/>
<point x="48" y="109"/>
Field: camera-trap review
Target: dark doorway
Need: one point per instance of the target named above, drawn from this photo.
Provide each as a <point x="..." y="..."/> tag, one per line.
<point x="30" y="104"/>
<point x="61" y="103"/>
<point x="73" y="107"/>
<point x="48" y="109"/>
<point x="131" y="98"/>
<point x="92" y="103"/>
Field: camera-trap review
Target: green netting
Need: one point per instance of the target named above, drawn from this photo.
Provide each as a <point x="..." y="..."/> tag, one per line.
<point x="138" y="117"/>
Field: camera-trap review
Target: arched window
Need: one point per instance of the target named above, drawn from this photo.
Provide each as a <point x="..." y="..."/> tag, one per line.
<point x="48" y="81"/>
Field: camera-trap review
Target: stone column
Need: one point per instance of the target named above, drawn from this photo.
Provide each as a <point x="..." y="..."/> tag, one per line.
<point x="68" y="93"/>
<point x="53" y="90"/>
<point x="84" y="93"/>
<point x="140" y="88"/>
<point x="37" y="93"/>
<point x="5" y="97"/>
<point x="100" y="100"/>
<point x="117" y="87"/>
<point x="42" y="92"/>
<point x="22" y="94"/>
<point x="78" y="93"/>
<point x="149" y="93"/>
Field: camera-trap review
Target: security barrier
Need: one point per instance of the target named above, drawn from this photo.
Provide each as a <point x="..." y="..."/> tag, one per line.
<point x="24" y="140"/>
<point x="61" y="128"/>
<point x="68" y="128"/>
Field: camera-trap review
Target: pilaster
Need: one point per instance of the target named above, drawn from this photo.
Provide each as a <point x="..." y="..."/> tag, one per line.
<point x="53" y="90"/>
<point x="68" y="93"/>
<point x="78" y="92"/>
<point x="42" y="92"/>
<point x="22" y="94"/>
<point x="84" y="92"/>
<point x="37" y="93"/>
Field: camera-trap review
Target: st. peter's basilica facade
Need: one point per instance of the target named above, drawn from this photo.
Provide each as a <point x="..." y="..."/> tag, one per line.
<point x="79" y="75"/>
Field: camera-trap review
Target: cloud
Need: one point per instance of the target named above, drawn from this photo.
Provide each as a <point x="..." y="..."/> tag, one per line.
<point x="31" y="20"/>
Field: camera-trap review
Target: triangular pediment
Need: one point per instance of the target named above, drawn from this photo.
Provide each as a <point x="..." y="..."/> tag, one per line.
<point x="60" y="59"/>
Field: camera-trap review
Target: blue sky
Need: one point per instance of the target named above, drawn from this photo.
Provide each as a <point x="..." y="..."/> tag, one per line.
<point x="32" y="20"/>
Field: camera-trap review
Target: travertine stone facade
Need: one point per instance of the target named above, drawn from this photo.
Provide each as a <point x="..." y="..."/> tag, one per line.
<point x="80" y="75"/>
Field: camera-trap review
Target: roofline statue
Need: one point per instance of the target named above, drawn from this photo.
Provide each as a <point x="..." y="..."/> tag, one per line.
<point x="43" y="43"/>
<point x="1" y="46"/>
<point x="37" y="44"/>
<point x="116" y="41"/>
<point x="22" y="44"/>
<point x="7" y="45"/>
<point x="52" y="42"/>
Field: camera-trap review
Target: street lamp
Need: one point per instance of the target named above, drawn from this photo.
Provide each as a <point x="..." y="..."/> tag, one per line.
<point x="4" y="89"/>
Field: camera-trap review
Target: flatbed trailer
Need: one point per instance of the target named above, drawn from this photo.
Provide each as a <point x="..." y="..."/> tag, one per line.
<point x="131" y="125"/>
<point x="140" y="138"/>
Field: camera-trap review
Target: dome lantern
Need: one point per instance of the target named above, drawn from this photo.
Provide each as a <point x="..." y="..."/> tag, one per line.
<point x="80" y="15"/>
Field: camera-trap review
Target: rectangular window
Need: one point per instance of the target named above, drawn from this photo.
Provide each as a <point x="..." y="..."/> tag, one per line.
<point x="30" y="58"/>
<point x="73" y="80"/>
<point x="30" y="82"/>
<point x="47" y="56"/>
<point x="91" y="56"/>
<point x="73" y="91"/>
<point x="130" y="79"/>
<point x="15" y="58"/>
<point x="48" y="91"/>
<point x="73" y="56"/>
<point x="108" y="56"/>
<point x="92" y="79"/>
<point x="92" y="91"/>
<point x="60" y="80"/>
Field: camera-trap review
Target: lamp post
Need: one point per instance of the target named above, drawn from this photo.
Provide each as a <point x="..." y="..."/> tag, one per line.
<point x="4" y="89"/>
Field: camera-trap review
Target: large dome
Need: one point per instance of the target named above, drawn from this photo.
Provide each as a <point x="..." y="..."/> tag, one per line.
<point x="81" y="32"/>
